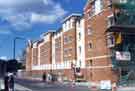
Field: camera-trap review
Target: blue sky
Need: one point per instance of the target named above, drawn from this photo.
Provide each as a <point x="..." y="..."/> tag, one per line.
<point x="30" y="18"/>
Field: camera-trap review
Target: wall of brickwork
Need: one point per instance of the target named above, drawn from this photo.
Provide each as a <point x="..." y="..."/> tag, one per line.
<point x="28" y="59"/>
<point x="97" y="52"/>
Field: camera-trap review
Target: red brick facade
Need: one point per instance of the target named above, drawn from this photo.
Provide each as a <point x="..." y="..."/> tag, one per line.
<point x="69" y="50"/>
<point x="45" y="53"/>
<point x="35" y="56"/>
<point x="28" y="58"/>
<point x="97" y="52"/>
<point x="97" y="55"/>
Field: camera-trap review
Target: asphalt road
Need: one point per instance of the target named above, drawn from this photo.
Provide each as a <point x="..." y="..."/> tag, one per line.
<point x="40" y="86"/>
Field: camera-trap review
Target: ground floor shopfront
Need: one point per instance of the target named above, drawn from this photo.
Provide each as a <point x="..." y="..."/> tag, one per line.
<point x="123" y="54"/>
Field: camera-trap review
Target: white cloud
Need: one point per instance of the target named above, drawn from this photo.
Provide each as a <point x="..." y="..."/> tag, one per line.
<point x="4" y="58"/>
<point x="19" y="21"/>
<point x="57" y="12"/>
<point x="21" y="14"/>
<point x="12" y="3"/>
<point x="43" y="18"/>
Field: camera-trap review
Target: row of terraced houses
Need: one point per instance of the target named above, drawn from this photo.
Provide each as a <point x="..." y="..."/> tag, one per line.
<point x="90" y="44"/>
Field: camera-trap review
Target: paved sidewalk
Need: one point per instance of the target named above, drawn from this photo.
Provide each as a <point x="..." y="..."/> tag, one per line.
<point x="17" y="87"/>
<point x="126" y="89"/>
<point x="86" y="84"/>
<point x="21" y="88"/>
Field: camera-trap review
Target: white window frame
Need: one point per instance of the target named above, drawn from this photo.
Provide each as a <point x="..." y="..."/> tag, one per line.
<point x="110" y="40"/>
<point x="89" y="31"/>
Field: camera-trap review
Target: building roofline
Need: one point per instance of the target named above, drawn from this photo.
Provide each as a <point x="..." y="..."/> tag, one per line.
<point x="71" y="15"/>
<point x="88" y="2"/>
<point x="46" y="33"/>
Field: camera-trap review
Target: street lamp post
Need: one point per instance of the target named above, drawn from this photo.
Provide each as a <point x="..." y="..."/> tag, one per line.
<point x="14" y="46"/>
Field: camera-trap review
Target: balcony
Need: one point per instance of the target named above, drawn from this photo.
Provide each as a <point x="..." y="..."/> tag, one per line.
<point x="121" y="22"/>
<point x="123" y="4"/>
<point x="123" y="18"/>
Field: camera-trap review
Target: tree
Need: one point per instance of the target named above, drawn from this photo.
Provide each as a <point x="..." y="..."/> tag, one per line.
<point x="23" y="56"/>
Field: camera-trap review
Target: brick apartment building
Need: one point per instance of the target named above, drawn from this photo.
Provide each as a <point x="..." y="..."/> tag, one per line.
<point x="69" y="43"/>
<point x="86" y="42"/>
<point x="96" y="49"/>
<point x="43" y="57"/>
<point x="58" y="51"/>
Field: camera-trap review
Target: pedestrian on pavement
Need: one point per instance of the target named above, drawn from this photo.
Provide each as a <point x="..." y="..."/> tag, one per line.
<point x="53" y="78"/>
<point x="49" y="78"/>
<point x="6" y="82"/>
<point x="11" y="82"/>
<point x="44" y="77"/>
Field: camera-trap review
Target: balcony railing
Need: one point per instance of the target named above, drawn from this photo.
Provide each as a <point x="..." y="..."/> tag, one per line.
<point x="123" y="4"/>
<point x="121" y="20"/>
<point x="125" y="13"/>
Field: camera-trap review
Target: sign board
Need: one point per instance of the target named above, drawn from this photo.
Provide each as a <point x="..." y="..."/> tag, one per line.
<point x="105" y="84"/>
<point x="125" y="56"/>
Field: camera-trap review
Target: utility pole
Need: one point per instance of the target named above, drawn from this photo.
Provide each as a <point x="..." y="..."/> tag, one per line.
<point x="14" y="46"/>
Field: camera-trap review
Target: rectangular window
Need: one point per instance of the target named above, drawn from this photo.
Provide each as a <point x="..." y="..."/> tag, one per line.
<point x="110" y="21"/>
<point x="93" y="8"/>
<point x="90" y="31"/>
<point x="68" y="39"/>
<point x="57" y="45"/>
<point x="79" y="36"/>
<point x="65" y="51"/>
<point x="70" y="50"/>
<point x="64" y="26"/>
<point x="65" y="40"/>
<point x="109" y="2"/>
<point x="110" y="40"/>
<point x="80" y="49"/>
<point x="98" y="6"/>
<point x="92" y="11"/>
<point x="89" y="45"/>
<point x="101" y="4"/>
<point x="78" y="70"/>
<point x="91" y="63"/>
